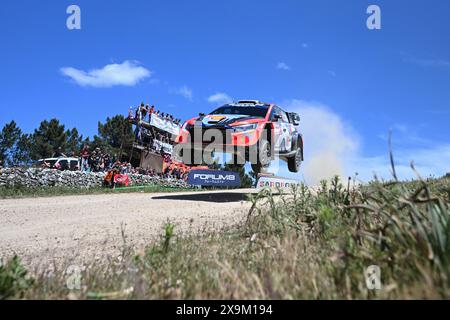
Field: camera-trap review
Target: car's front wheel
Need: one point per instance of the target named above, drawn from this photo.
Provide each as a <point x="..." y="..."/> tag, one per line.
<point x="257" y="169"/>
<point x="264" y="156"/>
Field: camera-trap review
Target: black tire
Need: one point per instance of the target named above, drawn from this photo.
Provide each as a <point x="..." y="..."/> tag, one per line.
<point x="264" y="156"/>
<point x="264" y="153"/>
<point x="295" y="161"/>
<point x="257" y="169"/>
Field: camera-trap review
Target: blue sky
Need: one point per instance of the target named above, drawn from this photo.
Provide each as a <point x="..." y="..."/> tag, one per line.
<point x="317" y="55"/>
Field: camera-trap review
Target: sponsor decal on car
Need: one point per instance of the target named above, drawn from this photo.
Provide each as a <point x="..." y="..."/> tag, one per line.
<point x="214" y="178"/>
<point x="217" y="118"/>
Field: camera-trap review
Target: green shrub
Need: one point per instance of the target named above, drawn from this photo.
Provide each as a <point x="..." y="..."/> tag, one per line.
<point x="13" y="279"/>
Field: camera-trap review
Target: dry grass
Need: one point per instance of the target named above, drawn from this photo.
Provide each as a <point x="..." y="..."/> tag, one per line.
<point x="300" y="246"/>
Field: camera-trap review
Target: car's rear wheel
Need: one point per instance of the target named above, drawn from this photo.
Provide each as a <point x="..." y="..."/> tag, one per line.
<point x="295" y="161"/>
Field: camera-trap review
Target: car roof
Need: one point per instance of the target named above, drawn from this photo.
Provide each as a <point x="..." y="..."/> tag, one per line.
<point x="252" y="104"/>
<point x="60" y="158"/>
<point x="247" y="103"/>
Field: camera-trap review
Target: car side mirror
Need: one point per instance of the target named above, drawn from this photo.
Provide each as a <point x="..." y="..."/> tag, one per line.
<point x="295" y="118"/>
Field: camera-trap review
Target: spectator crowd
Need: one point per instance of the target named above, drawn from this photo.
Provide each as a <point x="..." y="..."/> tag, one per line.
<point x="97" y="160"/>
<point x="145" y="110"/>
<point x="151" y="138"/>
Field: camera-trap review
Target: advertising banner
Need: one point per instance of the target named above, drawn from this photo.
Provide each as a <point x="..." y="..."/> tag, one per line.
<point x="122" y="180"/>
<point x="214" y="178"/>
<point x="276" y="183"/>
<point x="164" y="124"/>
<point x="166" y="147"/>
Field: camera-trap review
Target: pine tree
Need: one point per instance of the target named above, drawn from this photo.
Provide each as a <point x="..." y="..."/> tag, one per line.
<point x="75" y="142"/>
<point x="21" y="154"/>
<point x="115" y="135"/>
<point x="48" y="139"/>
<point x="246" y="180"/>
<point x="9" y="137"/>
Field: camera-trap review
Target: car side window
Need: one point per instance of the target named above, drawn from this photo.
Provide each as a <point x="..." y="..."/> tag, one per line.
<point x="273" y="113"/>
<point x="284" y="116"/>
<point x="281" y="113"/>
<point x="73" y="164"/>
<point x="64" y="164"/>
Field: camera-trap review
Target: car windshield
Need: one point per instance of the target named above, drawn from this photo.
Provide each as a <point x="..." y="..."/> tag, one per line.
<point x="259" y="112"/>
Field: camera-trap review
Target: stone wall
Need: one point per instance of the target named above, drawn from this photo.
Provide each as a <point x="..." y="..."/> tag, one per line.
<point x="34" y="177"/>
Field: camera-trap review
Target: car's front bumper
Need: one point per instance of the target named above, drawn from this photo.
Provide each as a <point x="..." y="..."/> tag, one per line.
<point x="218" y="137"/>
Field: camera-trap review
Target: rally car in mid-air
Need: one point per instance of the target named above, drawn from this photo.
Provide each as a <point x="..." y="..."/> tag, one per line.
<point x="250" y="130"/>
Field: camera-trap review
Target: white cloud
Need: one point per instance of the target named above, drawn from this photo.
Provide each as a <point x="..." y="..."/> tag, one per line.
<point x="329" y="142"/>
<point x="430" y="157"/>
<point x="429" y="62"/>
<point x="332" y="147"/>
<point x="428" y="161"/>
<point x="283" y="66"/>
<point x="183" y="91"/>
<point x="332" y="73"/>
<point x="128" y="73"/>
<point x="220" y="98"/>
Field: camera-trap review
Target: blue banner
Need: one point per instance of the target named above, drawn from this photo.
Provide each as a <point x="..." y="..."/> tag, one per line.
<point x="214" y="178"/>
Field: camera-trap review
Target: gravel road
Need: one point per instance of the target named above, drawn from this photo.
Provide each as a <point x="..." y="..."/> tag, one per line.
<point x="89" y="228"/>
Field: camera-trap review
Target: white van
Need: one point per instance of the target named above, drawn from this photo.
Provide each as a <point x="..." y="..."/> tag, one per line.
<point x="62" y="163"/>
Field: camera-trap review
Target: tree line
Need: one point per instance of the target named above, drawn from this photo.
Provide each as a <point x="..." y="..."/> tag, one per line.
<point x="114" y="136"/>
<point x="17" y="148"/>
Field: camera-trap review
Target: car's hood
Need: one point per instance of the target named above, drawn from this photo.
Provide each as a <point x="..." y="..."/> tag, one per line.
<point x="223" y="119"/>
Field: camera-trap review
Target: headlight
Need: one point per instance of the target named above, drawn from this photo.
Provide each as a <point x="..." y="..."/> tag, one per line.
<point x="246" y="127"/>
